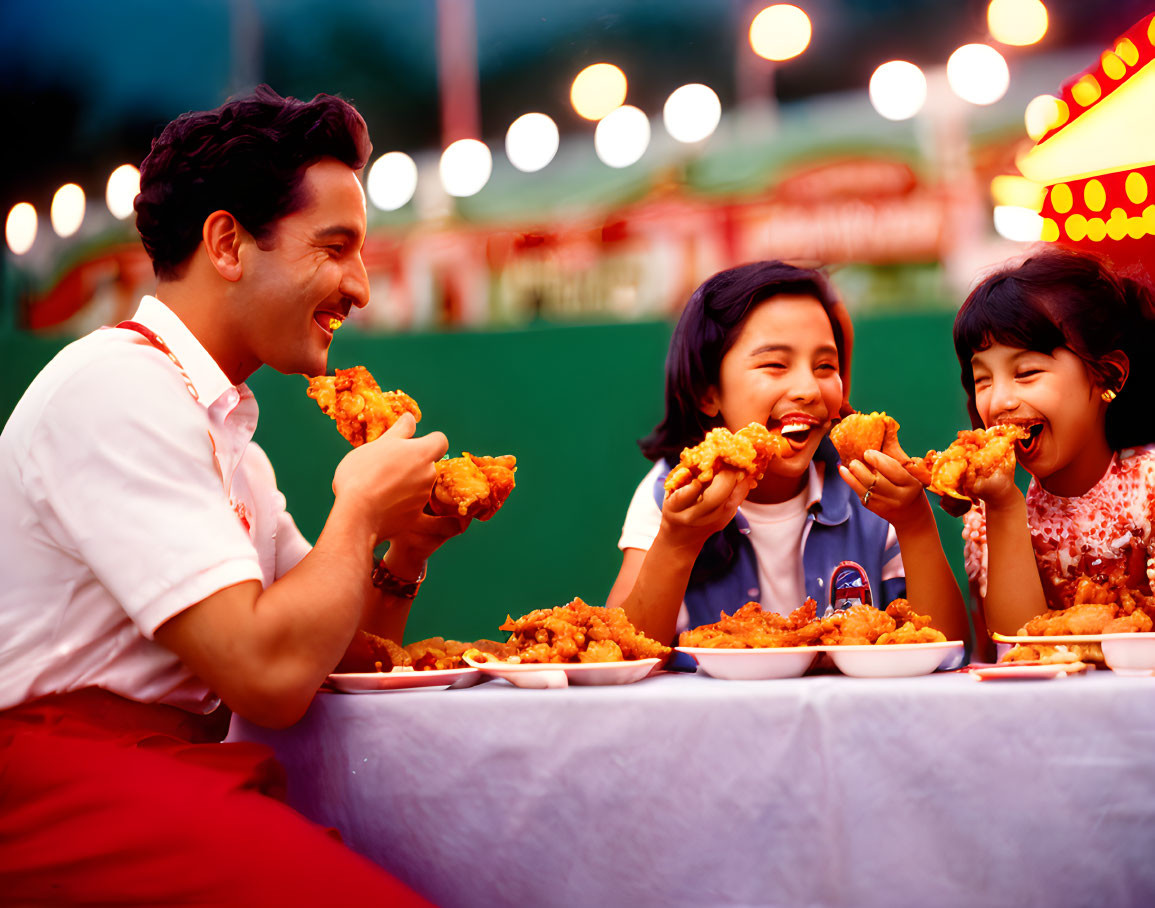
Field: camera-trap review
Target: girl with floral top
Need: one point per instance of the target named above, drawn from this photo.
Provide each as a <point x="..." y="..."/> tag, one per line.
<point x="1061" y="346"/>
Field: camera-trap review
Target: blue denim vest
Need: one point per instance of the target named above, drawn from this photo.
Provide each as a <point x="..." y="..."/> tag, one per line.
<point x="838" y="528"/>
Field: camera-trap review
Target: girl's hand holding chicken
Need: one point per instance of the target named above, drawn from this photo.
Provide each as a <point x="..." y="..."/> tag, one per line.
<point x="696" y="511"/>
<point x="888" y="489"/>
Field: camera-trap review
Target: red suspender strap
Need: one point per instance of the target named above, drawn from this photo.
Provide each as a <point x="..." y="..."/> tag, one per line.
<point x="155" y="339"/>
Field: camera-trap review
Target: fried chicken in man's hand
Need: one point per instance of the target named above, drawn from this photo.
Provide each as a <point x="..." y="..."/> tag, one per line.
<point x="354" y="400"/>
<point x="472" y="486"/>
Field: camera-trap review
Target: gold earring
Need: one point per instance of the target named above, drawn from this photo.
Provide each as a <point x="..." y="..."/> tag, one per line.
<point x="1109" y="395"/>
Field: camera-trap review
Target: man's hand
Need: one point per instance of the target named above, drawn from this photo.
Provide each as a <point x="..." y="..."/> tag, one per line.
<point x="409" y="550"/>
<point x="388" y="481"/>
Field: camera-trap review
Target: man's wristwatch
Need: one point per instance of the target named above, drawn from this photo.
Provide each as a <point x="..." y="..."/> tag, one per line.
<point x="388" y="582"/>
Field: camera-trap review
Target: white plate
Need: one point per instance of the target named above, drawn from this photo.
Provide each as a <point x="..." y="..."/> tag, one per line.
<point x="378" y="682"/>
<point x="563" y="674"/>
<point x="1056" y="640"/>
<point x="1130" y="654"/>
<point x="897" y="660"/>
<point x="753" y="664"/>
<point x="1026" y="671"/>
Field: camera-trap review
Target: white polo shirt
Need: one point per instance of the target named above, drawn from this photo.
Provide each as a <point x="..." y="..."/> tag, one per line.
<point x="125" y="500"/>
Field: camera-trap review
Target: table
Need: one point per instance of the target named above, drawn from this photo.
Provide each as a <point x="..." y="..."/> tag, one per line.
<point x="687" y="790"/>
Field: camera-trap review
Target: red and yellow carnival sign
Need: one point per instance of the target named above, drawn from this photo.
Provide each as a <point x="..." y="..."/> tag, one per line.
<point x="1096" y="154"/>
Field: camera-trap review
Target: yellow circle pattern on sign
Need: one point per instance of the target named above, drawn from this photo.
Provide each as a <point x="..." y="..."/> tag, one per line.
<point x="1061" y="199"/>
<point x="1086" y="91"/>
<point x="1113" y="67"/>
<point x="1127" y="51"/>
<point x="1094" y="195"/>
<point x="1136" y="187"/>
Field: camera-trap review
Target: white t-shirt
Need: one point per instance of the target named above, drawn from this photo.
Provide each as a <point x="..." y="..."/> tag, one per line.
<point x="127" y="500"/>
<point x="776" y="533"/>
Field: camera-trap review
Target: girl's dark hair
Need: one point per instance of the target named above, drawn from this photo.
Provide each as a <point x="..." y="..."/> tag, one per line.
<point x="1061" y="298"/>
<point x="247" y="157"/>
<point x="708" y="328"/>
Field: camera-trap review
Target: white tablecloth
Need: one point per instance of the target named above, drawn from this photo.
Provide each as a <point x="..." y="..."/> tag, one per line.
<point x="686" y="790"/>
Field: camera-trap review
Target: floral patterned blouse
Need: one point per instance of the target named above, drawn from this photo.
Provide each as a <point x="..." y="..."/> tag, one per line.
<point x="1107" y="531"/>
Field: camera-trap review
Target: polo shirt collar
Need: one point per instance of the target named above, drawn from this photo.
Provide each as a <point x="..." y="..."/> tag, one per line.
<point x="206" y="376"/>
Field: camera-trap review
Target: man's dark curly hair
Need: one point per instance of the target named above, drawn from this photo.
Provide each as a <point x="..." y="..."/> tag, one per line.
<point x="247" y="157"/>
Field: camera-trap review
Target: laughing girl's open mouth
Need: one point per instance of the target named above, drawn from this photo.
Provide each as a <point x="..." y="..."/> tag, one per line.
<point x="1031" y="444"/>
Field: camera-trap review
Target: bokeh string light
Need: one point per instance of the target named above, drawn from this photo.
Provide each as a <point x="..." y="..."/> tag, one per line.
<point x="531" y="142"/>
<point x="898" y="90"/>
<point x="67" y="211"/>
<point x="392" y="181"/>
<point x="977" y="73"/>
<point x="123" y="188"/>
<point x="692" y="113"/>
<point x="1017" y="22"/>
<point x="20" y="228"/>
<point x="780" y="32"/>
<point x="465" y="167"/>
<point x="597" y="90"/>
<point x="622" y="136"/>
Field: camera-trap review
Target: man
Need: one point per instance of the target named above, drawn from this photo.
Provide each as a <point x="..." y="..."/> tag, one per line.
<point x="148" y="568"/>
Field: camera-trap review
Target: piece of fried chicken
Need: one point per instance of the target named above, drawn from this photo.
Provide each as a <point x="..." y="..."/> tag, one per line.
<point x="354" y="400"/>
<point x="976" y="454"/>
<point x="472" y="486"/>
<point x="858" y="433"/>
<point x="749" y="450"/>
<point x="911" y="627"/>
<point x="1053" y="655"/>
<point x="752" y="628"/>
<point x="437" y="653"/>
<point x="579" y="632"/>
<point x="370" y="653"/>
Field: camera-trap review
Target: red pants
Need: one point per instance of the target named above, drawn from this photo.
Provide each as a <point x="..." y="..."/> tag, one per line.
<point x="108" y="802"/>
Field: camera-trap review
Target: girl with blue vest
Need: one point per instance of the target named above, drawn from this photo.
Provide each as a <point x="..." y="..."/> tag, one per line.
<point x="770" y="342"/>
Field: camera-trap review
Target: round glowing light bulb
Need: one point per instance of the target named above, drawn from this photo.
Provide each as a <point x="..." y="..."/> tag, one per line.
<point x="978" y="73"/>
<point x="780" y="32"/>
<point x="597" y="90"/>
<point x="465" y="167"/>
<point x="123" y="188"/>
<point x="692" y="113"/>
<point x="392" y="181"/>
<point x="1017" y="22"/>
<point x="1019" y="224"/>
<point x="67" y="211"/>
<point x="20" y="228"/>
<point x="531" y="142"/>
<point x="1043" y="114"/>
<point x="898" y="90"/>
<point x="621" y="138"/>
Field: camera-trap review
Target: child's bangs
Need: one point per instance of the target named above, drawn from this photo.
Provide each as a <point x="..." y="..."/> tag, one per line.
<point x="1005" y="315"/>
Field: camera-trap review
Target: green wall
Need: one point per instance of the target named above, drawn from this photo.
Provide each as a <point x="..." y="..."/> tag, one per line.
<point x="570" y="402"/>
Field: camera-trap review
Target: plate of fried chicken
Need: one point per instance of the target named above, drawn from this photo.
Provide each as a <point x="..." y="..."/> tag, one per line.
<point x="863" y="641"/>
<point x="576" y="643"/>
<point x="372" y="664"/>
<point x="1102" y="609"/>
